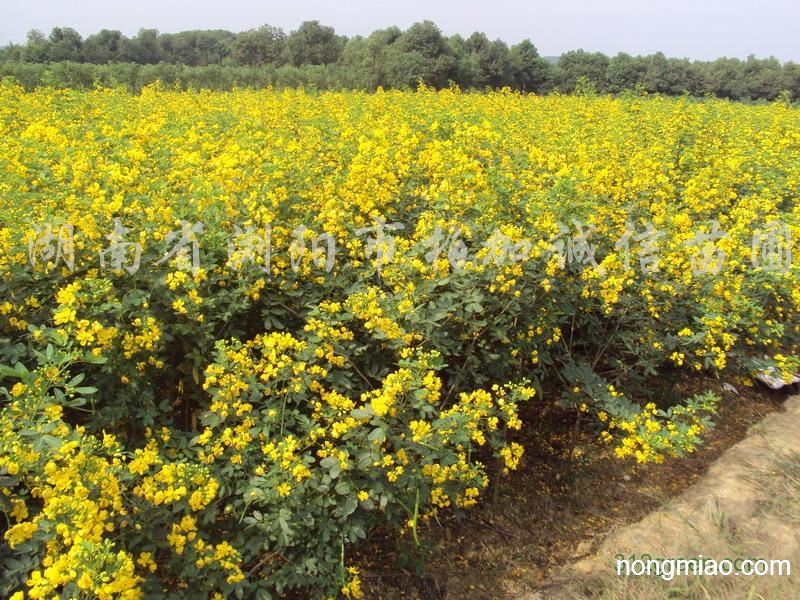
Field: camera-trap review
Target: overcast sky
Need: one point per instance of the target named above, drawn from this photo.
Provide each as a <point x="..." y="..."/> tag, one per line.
<point x="698" y="29"/>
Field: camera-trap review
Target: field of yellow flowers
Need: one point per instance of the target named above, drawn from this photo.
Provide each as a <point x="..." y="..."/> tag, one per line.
<point x="239" y="331"/>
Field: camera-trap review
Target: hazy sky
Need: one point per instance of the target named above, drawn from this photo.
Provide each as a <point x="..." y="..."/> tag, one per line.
<point x="699" y="29"/>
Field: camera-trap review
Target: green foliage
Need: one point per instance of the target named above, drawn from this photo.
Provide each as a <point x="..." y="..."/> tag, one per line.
<point x="388" y="58"/>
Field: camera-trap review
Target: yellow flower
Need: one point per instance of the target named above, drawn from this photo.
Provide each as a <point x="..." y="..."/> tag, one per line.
<point x="419" y="430"/>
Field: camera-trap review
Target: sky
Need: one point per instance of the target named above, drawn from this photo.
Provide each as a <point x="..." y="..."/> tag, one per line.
<point x="696" y="29"/>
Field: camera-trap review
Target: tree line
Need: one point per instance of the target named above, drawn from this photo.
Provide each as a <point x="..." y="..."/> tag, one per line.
<point x="314" y="55"/>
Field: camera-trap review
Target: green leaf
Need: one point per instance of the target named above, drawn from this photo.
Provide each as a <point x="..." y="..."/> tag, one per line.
<point x="377" y="434"/>
<point x="350" y="506"/>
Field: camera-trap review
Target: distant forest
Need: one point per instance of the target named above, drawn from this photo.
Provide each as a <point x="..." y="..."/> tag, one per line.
<point x="316" y="57"/>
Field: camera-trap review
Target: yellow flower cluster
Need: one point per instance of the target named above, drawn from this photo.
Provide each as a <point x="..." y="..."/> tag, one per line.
<point x="176" y="481"/>
<point x="650" y="435"/>
<point x="479" y="239"/>
<point x="143" y="336"/>
<point x="88" y="564"/>
<point x="75" y="480"/>
<point x="511" y="456"/>
<point x="394" y="385"/>
<point x="366" y="306"/>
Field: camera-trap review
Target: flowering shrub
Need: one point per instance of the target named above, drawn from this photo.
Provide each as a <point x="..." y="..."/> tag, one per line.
<point x="199" y="399"/>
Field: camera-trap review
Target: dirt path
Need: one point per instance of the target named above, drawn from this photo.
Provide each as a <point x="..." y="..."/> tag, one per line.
<point x="746" y="505"/>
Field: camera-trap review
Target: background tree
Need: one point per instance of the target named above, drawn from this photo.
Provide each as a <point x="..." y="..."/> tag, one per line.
<point x="670" y="76"/>
<point x="722" y="78"/>
<point x="465" y="71"/>
<point x="12" y="52"/>
<point x="625" y="72"/>
<point x="37" y="48"/>
<point x="262" y="46"/>
<point x="315" y="56"/>
<point x="144" y="49"/>
<point x="314" y="44"/>
<point x="529" y="71"/>
<point x="378" y="45"/>
<point x="578" y="64"/>
<point x="790" y="80"/>
<point x="491" y="60"/>
<point x="421" y="53"/>
<point x="196" y="48"/>
<point x="354" y="64"/>
<point x="65" y="44"/>
<point x="763" y="78"/>
<point x="103" y="47"/>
